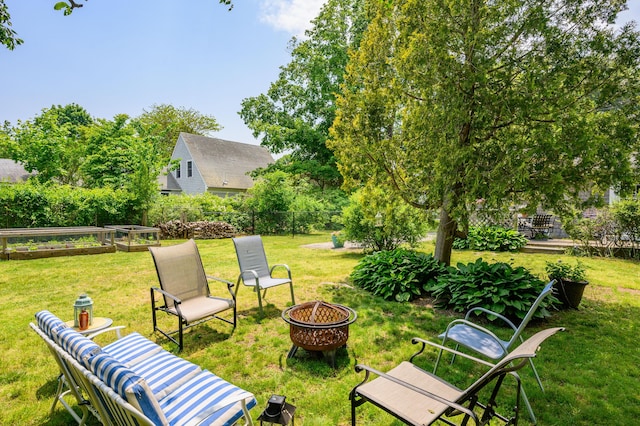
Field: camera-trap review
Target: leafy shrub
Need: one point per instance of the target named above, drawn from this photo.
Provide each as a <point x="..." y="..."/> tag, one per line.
<point x="498" y="287"/>
<point x="380" y="222"/>
<point x="491" y="238"/>
<point x="398" y="274"/>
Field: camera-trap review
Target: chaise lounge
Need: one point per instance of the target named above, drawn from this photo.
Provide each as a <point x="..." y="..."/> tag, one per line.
<point x="134" y="381"/>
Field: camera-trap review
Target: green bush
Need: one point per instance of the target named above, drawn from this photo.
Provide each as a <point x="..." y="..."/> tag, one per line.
<point x="498" y="287"/>
<point x="491" y="238"/>
<point x="398" y="274"/>
<point x="27" y="205"/>
<point x="380" y="222"/>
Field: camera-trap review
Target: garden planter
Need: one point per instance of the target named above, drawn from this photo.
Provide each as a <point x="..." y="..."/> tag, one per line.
<point x="337" y="242"/>
<point x="570" y="292"/>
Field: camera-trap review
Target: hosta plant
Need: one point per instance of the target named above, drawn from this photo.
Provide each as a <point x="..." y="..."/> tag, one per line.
<point x="498" y="287"/>
<point x="398" y="274"/>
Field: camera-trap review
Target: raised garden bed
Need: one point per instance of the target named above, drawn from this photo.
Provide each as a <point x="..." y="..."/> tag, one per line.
<point x="135" y="237"/>
<point x="36" y="243"/>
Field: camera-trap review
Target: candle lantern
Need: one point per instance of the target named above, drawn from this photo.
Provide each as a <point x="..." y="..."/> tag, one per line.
<point x="82" y="303"/>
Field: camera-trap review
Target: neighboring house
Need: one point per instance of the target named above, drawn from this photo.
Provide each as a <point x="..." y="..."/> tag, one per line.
<point x="12" y="172"/>
<point x="213" y="165"/>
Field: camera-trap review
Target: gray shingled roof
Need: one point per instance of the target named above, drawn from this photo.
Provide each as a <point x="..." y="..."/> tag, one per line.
<point x="10" y="171"/>
<point x="221" y="161"/>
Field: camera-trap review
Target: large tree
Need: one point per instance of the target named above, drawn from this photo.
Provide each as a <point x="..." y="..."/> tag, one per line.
<point x="52" y="143"/>
<point x="299" y="108"/>
<point x="452" y="104"/>
<point x="165" y="122"/>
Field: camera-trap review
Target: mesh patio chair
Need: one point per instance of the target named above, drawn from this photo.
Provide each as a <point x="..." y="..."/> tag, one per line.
<point x="417" y="397"/>
<point x="254" y="268"/>
<point x="185" y="289"/>
<point x="464" y="332"/>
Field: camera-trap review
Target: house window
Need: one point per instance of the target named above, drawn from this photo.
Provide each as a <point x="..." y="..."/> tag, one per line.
<point x="178" y="172"/>
<point x="189" y="169"/>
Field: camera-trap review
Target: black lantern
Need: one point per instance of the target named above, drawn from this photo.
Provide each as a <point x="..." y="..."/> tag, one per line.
<point x="278" y="411"/>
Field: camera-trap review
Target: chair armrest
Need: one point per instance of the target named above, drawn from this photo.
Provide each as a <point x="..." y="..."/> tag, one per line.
<point x="248" y="271"/>
<point x="280" y="265"/>
<point x="453" y="405"/>
<point x="228" y="283"/>
<point x="472" y="325"/>
<point x="105" y="330"/>
<point x="169" y="295"/>
<point x="488" y="312"/>
<point x="424" y="342"/>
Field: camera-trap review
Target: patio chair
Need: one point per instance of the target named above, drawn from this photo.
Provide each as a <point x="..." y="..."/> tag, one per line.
<point x="254" y="269"/>
<point x="541" y="224"/>
<point x="417" y="397"/>
<point x="185" y="289"/>
<point x="464" y="332"/>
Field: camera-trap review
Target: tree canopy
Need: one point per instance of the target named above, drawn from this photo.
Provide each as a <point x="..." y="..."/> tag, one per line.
<point x="166" y="122"/>
<point x="299" y="108"/>
<point x="456" y="105"/>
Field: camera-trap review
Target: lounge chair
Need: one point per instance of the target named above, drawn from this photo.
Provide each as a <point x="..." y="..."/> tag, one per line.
<point x="464" y="332"/>
<point x="418" y="397"/>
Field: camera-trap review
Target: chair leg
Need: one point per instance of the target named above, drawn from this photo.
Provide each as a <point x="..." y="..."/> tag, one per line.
<point x="293" y="299"/>
<point x="535" y="373"/>
<point x="260" y="301"/>
<point x="180" y="344"/>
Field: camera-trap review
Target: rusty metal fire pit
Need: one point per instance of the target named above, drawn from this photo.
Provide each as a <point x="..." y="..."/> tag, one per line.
<point x="319" y="327"/>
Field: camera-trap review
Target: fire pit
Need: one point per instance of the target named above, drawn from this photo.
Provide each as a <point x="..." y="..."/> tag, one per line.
<point x="319" y="327"/>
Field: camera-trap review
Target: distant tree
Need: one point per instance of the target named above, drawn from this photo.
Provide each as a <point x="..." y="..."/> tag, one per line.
<point x="108" y="160"/>
<point x="298" y="109"/>
<point x="52" y="143"/>
<point x="448" y="103"/>
<point x="165" y="122"/>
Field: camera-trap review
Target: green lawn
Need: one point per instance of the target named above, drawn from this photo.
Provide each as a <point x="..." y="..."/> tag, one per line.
<point x="591" y="372"/>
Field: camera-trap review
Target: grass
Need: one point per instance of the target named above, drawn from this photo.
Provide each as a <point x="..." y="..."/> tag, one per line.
<point x="590" y="372"/>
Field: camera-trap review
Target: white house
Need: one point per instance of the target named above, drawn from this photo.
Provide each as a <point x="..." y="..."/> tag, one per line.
<point x="213" y="165"/>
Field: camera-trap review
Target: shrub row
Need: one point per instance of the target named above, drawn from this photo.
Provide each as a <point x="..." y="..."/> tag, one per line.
<point x="33" y="205"/>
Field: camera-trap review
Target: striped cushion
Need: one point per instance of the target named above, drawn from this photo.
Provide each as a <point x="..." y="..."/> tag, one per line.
<point x="127" y="384"/>
<point x="206" y="399"/>
<point x="75" y="344"/>
<point x="49" y="322"/>
<point x="165" y="372"/>
<point x="132" y="349"/>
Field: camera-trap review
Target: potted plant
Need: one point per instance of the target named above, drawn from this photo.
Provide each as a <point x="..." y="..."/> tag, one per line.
<point x="570" y="281"/>
<point x="337" y="238"/>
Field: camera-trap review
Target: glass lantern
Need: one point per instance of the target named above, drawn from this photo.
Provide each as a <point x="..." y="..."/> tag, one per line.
<point x="82" y="302"/>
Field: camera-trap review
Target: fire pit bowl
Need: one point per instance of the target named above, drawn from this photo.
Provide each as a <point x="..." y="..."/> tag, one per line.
<point x="318" y="326"/>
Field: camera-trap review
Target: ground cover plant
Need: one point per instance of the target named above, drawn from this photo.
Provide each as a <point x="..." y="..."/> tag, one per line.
<point x="590" y="372"/>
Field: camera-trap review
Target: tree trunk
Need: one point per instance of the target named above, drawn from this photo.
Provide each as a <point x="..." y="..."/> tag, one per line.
<point x="445" y="237"/>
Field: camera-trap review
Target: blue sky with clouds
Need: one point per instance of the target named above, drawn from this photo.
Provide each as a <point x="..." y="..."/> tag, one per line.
<point x="123" y="56"/>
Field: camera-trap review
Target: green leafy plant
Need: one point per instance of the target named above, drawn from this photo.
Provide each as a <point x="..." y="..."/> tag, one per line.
<point x="491" y="238"/>
<point x="563" y="271"/>
<point x="398" y="274"/>
<point x="498" y="287"/>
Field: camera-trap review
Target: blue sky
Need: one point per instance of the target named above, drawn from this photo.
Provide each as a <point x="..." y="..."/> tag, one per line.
<point x="123" y="56"/>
